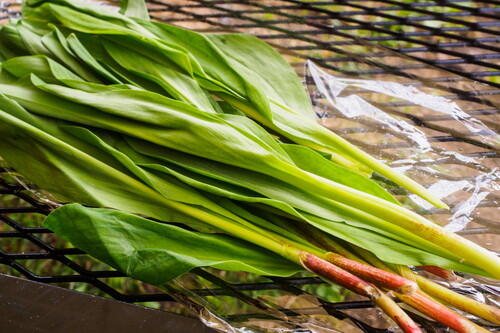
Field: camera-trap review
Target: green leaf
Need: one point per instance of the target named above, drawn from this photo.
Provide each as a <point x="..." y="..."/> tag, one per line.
<point x="86" y="57"/>
<point x="166" y="74"/>
<point x="38" y="9"/>
<point x="140" y="113"/>
<point x="119" y="26"/>
<point x="11" y="43"/>
<point x="134" y="8"/>
<point x="56" y="166"/>
<point x="229" y="140"/>
<point x="53" y="127"/>
<point x="42" y="66"/>
<point x="217" y="73"/>
<point x="57" y="45"/>
<point x="271" y="93"/>
<point x="31" y="40"/>
<point x="266" y="69"/>
<point x="168" y="187"/>
<point x="155" y="252"/>
<point x="89" y="50"/>
<point x="72" y="175"/>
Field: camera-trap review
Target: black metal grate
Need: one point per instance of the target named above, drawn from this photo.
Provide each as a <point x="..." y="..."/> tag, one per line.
<point x="450" y="45"/>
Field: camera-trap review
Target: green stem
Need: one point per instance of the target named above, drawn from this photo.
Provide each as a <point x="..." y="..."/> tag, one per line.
<point x="398" y="232"/>
<point x="471" y="253"/>
<point x="399" y="178"/>
<point x="254" y="235"/>
<point x="334" y="144"/>
<point x="337" y="157"/>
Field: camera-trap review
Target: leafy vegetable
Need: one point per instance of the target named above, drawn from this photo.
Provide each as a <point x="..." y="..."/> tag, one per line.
<point x="108" y="109"/>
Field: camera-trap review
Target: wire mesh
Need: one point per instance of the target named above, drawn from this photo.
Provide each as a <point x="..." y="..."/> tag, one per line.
<point x="450" y="45"/>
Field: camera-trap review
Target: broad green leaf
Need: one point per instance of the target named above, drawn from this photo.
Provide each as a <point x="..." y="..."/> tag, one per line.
<point x="169" y="187"/>
<point x="31" y="40"/>
<point x="266" y="69"/>
<point x="163" y="181"/>
<point x="231" y="182"/>
<point x="178" y="84"/>
<point x="134" y="8"/>
<point x="184" y="128"/>
<point x="264" y="99"/>
<point x="257" y="132"/>
<point x="252" y="180"/>
<point x="52" y="41"/>
<point x="279" y="104"/>
<point x="248" y="89"/>
<point x="53" y="128"/>
<point x="155" y="252"/>
<point x="85" y="23"/>
<point x="42" y="66"/>
<point x="237" y="147"/>
<point x="409" y="255"/>
<point x="217" y="74"/>
<point x="37" y="27"/>
<point x="52" y="163"/>
<point x="73" y="169"/>
<point x="225" y="139"/>
<point x="148" y="112"/>
<point x="71" y="175"/>
<point x="35" y="8"/>
<point x="11" y="43"/>
<point x="90" y="51"/>
<point x="84" y="55"/>
<point x="51" y="71"/>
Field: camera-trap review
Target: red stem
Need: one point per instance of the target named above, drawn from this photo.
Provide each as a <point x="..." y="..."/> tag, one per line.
<point x="440" y="313"/>
<point x="336" y="274"/>
<point x="344" y="278"/>
<point x="381" y="277"/>
<point x="443" y="273"/>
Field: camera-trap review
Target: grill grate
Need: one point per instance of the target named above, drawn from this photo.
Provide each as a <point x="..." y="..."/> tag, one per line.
<point x="452" y="46"/>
